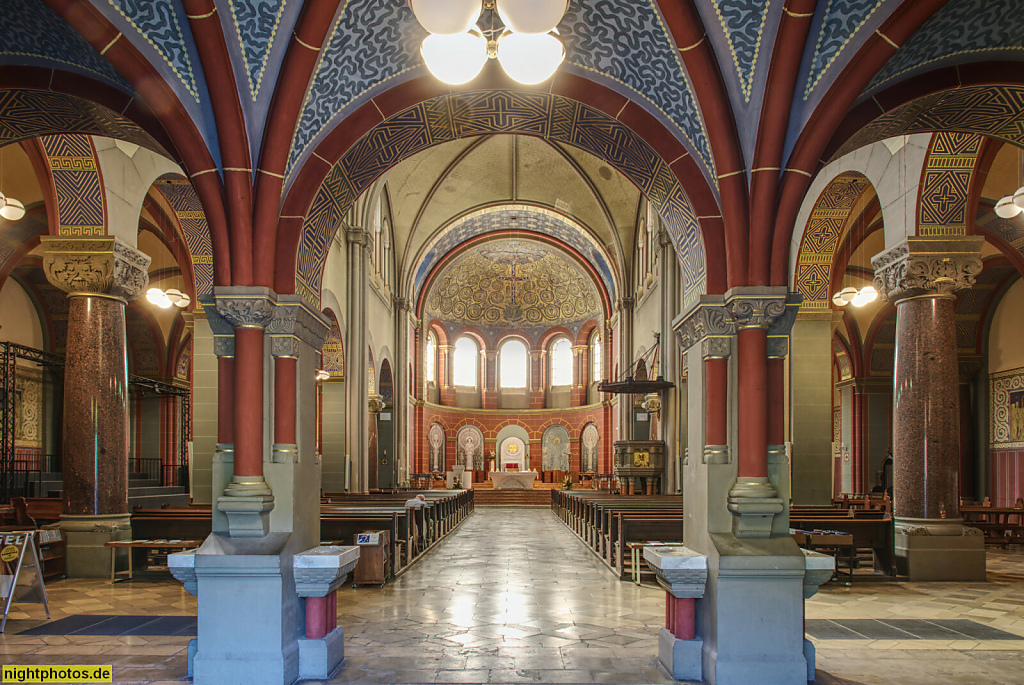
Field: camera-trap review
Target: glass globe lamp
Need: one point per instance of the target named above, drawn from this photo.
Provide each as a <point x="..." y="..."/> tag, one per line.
<point x="446" y="17"/>
<point x="531" y="16"/>
<point x="530" y="58"/>
<point x="455" y="59"/>
<point x="1007" y="208"/>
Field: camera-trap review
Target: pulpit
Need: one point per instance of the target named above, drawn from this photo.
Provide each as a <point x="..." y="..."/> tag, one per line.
<point x="639" y="465"/>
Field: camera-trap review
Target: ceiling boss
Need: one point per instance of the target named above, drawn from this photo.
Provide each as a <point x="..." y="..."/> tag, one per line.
<point x="525" y="41"/>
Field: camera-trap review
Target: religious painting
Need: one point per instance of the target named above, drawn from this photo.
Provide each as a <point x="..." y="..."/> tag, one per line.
<point x="588" y="449"/>
<point x="28" y="407"/>
<point x="513" y="454"/>
<point x="641" y="459"/>
<point x="470" y="448"/>
<point x="555" y="449"/>
<point x="436" y="440"/>
<point x="1007" y="408"/>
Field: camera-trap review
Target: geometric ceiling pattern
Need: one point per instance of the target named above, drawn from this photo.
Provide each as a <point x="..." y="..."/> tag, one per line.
<point x="743" y="24"/>
<point x="971" y="304"/>
<point x="74" y="173"/>
<point x="839" y="24"/>
<point x="375" y="44"/>
<point x="969" y="30"/>
<point x="512" y="283"/>
<point x="821" y="238"/>
<point x="475" y="113"/>
<point x="256" y="23"/>
<point x="158" y="22"/>
<point x="945" y="184"/>
<point x="994" y="111"/>
<point x="182" y="197"/>
<point x="35" y="34"/>
<point x="508" y="217"/>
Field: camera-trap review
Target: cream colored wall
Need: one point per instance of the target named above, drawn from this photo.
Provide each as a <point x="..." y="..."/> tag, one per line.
<point x="19" y="322"/>
<point x="1004" y="343"/>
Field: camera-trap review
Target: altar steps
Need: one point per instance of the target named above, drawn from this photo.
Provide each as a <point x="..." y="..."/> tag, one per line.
<point x="484" y="497"/>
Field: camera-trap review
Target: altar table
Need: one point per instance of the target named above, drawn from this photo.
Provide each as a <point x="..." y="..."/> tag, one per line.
<point x="513" y="480"/>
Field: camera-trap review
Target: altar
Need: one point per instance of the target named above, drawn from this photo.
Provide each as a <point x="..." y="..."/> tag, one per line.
<point x="513" y="480"/>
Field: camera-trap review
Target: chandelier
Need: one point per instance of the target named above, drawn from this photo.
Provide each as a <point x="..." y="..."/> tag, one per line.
<point x="527" y="45"/>
<point x="10" y="209"/>
<point x="165" y="298"/>
<point x="858" y="298"/>
<point x="1010" y="206"/>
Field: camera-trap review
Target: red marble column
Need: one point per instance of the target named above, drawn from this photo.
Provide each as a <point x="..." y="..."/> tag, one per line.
<point x="716" y="398"/>
<point x="284" y="399"/>
<point x="752" y="415"/>
<point x="225" y="394"/>
<point x="776" y="400"/>
<point x="248" y="402"/>
<point x="95" y="407"/>
<point x="926" y="412"/>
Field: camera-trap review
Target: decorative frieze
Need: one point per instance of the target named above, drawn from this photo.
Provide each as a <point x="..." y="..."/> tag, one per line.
<point x="932" y="266"/>
<point x="102" y="265"/>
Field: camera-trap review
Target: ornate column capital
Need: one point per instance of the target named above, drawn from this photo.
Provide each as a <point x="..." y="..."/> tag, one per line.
<point x="930" y="266"/>
<point x="103" y="266"/>
<point x="627" y="304"/>
<point x="707" y="324"/>
<point x="358" y="236"/>
<point x="294" y="322"/>
<point x="245" y="306"/>
<point x="402" y="304"/>
<point x="756" y="307"/>
<point x="223" y="331"/>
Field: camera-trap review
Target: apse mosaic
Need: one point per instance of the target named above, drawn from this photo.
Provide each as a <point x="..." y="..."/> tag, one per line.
<point x="256" y="23"/>
<point x="183" y="200"/>
<point x="840" y="23"/>
<point x="75" y="176"/>
<point x="589" y="452"/>
<point x="158" y="22"/>
<point x="469" y="446"/>
<point x="743" y="23"/>
<point x="376" y="42"/>
<point x="34" y="33"/>
<point x="482" y="112"/>
<point x="821" y="238"/>
<point x="555" y="449"/>
<point x="333" y="351"/>
<point x="994" y="111"/>
<point x="1006" y="390"/>
<point x="965" y="29"/>
<point x="945" y="183"/>
<point x="512" y="283"/>
<point x="518" y="217"/>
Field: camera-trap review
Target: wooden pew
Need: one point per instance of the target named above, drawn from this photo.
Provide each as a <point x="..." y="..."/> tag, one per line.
<point x="874" y="533"/>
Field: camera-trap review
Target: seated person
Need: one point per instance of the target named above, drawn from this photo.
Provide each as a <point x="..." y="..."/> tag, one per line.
<point x="416" y="502"/>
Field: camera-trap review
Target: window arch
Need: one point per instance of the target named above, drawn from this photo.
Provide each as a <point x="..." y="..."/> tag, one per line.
<point x="561" y="362"/>
<point x="595" y="356"/>
<point x="431" y="357"/>
<point x="512" y="358"/>
<point x="467" y="353"/>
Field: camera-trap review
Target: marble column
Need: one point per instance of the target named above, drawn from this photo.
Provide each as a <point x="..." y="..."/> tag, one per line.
<point x="99" y="275"/>
<point x="921" y="275"/>
<point x="357" y="433"/>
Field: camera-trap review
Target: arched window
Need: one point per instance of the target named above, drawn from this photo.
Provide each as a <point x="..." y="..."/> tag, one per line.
<point x="431" y="360"/>
<point x="595" y="356"/>
<point x="466" y="355"/>
<point x="512" y="358"/>
<point x="561" y="362"/>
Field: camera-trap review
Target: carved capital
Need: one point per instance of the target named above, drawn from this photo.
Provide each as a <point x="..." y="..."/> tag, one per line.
<point x="104" y="265"/>
<point x="358" y="236"/>
<point x="245" y="306"/>
<point x="756" y="307"/>
<point x="402" y="304"/>
<point x="716" y="347"/>
<point x="778" y="346"/>
<point x="293" y="322"/>
<point x="708" y="320"/>
<point x="627" y="304"/>
<point x="921" y="265"/>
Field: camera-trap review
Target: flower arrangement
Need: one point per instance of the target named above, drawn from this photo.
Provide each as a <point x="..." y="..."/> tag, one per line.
<point x="457" y="483"/>
<point x="567" y="483"/>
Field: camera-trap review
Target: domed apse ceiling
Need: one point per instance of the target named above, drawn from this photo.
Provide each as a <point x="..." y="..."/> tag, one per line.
<point x="512" y="283"/>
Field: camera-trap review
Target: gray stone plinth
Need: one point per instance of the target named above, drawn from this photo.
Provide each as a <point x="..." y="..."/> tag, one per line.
<point x="681" y="658"/>
<point x="182" y="566"/>
<point x="924" y="557"/>
<point x="818" y="569"/>
<point x="319" y="571"/>
<point x="85" y="536"/>
<point x="319" y="659"/>
<point x="680" y="570"/>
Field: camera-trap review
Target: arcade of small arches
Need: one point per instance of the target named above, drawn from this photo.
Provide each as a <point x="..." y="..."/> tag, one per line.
<point x="393" y="284"/>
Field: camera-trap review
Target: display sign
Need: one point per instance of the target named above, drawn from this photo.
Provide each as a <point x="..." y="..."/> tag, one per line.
<point x="21" y="572"/>
<point x="367" y="538"/>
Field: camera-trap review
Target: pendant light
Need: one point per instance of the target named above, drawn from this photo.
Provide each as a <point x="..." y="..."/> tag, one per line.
<point x="455" y="59"/>
<point x="531" y="16"/>
<point x="1010" y="206"/>
<point x="10" y="209"/>
<point x="446" y="17"/>
<point x="530" y="58"/>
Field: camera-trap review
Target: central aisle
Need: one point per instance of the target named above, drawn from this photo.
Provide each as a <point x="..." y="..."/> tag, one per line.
<point x="512" y="596"/>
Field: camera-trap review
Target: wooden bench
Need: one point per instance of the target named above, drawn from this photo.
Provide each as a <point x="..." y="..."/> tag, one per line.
<point x="1001" y="525"/>
<point x="876" y="534"/>
<point x="835" y="544"/>
<point x="163" y="546"/>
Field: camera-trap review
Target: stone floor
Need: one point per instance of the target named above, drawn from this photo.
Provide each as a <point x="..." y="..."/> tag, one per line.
<point x="513" y="596"/>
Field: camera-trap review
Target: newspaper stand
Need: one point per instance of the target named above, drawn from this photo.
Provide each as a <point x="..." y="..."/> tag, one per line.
<point x="18" y="550"/>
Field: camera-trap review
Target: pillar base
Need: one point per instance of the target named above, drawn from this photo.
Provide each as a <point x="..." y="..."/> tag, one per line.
<point x="939" y="550"/>
<point x="681" y="658"/>
<point x="247" y="503"/>
<point x="86" y="557"/>
<point x="319" y="659"/>
<point x="754" y="503"/>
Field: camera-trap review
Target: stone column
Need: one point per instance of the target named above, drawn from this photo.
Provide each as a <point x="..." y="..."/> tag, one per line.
<point x="222" y="454"/>
<point x="489" y="380"/>
<point x="968" y="366"/>
<point x="921" y="275"/>
<point x="99" y="275"/>
<point x="670" y="432"/>
<point x="247" y="499"/>
<point x="359" y="244"/>
<point x="625" y="402"/>
<point x="401" y="387"/>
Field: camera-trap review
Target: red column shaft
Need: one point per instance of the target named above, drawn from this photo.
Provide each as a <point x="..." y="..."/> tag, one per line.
<point x="316" y="617"/>
<point x="684" y="623"/>
<point x="332" y="611"/>
<point x="776" y="401"/>
<point x="225" y="393"/>
<point x="248" y="404"/>
<point x="670" y="612"/>
<point x="716" y="394"/>
<point x="285" y="369"/>
<point x="752" y="458"/>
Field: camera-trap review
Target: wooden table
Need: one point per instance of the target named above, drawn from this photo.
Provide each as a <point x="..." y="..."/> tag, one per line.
<point x="166" y="546"/>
